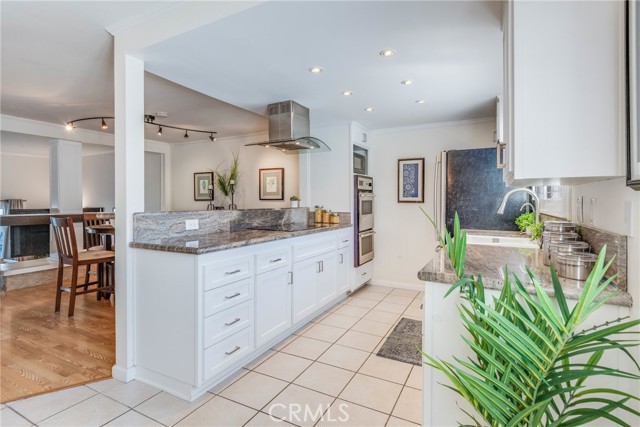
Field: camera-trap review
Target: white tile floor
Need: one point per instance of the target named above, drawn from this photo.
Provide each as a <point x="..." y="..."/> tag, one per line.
<point x="329" y="367"/>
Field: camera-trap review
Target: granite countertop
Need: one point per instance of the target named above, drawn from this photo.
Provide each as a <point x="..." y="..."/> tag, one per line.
<point x="489" y="261"/>
<point x="222" y="240"/>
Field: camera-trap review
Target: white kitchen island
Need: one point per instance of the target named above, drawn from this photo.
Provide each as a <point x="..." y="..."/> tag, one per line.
<point x="207" y="307"/>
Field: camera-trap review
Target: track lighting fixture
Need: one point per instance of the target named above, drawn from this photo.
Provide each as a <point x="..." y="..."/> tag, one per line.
<point x="148" y="119"/>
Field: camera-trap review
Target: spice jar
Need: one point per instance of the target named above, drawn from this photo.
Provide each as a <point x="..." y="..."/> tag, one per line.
<point x="335" y="218"/>
<point x="326" y="216"/>
<point x="317" y="214"/>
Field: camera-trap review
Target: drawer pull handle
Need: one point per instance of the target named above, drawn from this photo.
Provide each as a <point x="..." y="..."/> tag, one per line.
<point x="345" y="241"/>
<point x="364" y="274"/>
<point x="275" y="260"/>
<point x="232" y="272"/>
<point x="229" y="353"/>
<point x="235" y="321"/>
<point x="237" y="294"/>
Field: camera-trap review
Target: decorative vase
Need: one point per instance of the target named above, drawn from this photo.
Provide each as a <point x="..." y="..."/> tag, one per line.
<point x="295" y="203"/>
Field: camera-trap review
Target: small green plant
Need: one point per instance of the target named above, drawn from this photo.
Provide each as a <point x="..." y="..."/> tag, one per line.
<point x="224" y="179"/>
<point x="532" y="361"/>
<point x="527" y="221"/>
<point x="294" y="198"/>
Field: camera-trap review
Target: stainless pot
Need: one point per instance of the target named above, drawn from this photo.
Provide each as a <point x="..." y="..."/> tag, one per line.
<point x="566" y="247"/>
<point x="576" y="266"/>
<point x="549" y="237"/>
<point x="559" y="226"/>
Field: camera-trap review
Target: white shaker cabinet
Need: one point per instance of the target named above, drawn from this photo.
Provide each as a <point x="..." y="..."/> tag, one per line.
<point x="563" y="95"/>
<point x="273" y="304"/>
<point x="342" y="274"/>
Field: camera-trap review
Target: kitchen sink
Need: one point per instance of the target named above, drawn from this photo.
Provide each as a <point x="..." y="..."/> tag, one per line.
<point x="505" y="241"/>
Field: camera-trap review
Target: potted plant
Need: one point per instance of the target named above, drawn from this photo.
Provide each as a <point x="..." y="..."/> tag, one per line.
<point x="226" y="180"/>
<point x="295" y="201"/>
<point x="527" y="223"/>
<point x="532" y="361"/>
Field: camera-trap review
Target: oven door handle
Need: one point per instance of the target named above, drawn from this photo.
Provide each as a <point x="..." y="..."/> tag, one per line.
<point x="366" y="195"/>
<point x="367" y="233"/>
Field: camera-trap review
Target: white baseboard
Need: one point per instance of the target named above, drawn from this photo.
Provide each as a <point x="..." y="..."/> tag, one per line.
<point x="123" y="374"/>
<point x="400" y="285"/>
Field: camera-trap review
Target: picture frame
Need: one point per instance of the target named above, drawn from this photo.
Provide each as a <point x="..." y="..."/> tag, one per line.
<point x="632" y="59"/>
<point x="201" y="182"/>
<point x="271" y="183"/>
<point x="411" y="180"/>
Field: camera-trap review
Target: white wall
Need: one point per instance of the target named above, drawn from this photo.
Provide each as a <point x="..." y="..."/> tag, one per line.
<point x="409" y="239"/>
<point x="612" y="195"/>
<point x="25" y="177"/>
<point x="206" y="156"/>
<point x="98" y="181"/>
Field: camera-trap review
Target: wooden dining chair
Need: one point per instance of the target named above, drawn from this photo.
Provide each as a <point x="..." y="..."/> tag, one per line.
<point x="68" y="254"/>
<point x="91" y="241"/>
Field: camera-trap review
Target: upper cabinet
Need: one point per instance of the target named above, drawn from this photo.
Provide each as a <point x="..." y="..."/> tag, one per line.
<point x="359" y="135"/>
<point x="562" y="107"/>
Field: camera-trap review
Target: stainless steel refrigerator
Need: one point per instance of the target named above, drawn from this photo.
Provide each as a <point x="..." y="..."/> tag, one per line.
<point x="469" y="183"/>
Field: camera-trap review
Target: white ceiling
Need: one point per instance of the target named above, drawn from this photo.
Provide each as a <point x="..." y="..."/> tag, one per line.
<point x="57" y="63"/>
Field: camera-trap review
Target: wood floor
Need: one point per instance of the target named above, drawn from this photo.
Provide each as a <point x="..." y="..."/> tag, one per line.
<point x="41" y="351"/>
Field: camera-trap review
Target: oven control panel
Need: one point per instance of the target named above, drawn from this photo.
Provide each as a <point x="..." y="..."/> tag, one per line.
<point x="364" y="183"/>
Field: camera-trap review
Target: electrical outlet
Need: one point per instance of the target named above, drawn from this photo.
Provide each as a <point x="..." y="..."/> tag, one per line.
<point x="593" y="205"/>
<point x="579" y="211"/>
<point x="191" y="224"/>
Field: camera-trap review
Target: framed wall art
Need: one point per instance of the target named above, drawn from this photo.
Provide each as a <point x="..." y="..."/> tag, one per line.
<point x="411" y="180"/>
<point x="271" y="184"/>
<point x="633" y="94"/>
<point x="202" y="183"/>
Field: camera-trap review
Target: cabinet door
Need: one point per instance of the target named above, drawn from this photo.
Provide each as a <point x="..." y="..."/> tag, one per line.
<point x="342" y="274"/>
<point x="273" y="304"/>
<point x="327" y="284"/>
<point x="305" y="288"/>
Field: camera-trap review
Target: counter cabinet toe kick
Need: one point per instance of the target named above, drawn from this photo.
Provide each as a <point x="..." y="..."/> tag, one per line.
<point x="200" y="318"/>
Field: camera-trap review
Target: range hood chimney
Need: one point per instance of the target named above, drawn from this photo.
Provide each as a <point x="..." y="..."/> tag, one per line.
<point x="289" y="129"/>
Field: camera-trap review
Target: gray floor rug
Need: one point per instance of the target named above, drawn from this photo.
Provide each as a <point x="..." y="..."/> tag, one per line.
<point x="404" y="342"/>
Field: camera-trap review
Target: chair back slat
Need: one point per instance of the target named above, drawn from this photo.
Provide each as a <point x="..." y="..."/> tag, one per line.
<point x="91" y="239"/>
<point x="65" y="237"/>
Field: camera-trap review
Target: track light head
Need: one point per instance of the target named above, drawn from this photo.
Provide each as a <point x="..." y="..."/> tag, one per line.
<point x="104" y="124"/>
<point x="212" y="138"/>
<point x="160" y="130"/>
<point x="69" y="126"/>
<point x="186" y="134"/>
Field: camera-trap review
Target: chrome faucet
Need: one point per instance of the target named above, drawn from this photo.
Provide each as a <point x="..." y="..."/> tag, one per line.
<point x="533" y="208"/>
<point x="526" y="190"/>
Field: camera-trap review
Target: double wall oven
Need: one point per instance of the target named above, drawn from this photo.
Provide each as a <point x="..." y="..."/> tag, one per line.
<point x="364" y="219"/>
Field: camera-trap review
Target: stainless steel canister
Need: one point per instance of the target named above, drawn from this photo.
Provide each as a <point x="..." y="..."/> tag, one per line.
<point x="549" y="237"/>
<point x="576" y="266"/>
<point x="559" y="226"/>
<point x="566" y="247"/>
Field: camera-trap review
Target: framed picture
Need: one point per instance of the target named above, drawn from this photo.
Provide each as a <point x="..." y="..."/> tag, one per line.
<point x="271" y="184"/>
<point x="411" y="180"/>
<point x="633" y="94"/>
<point x="202" y="183"/>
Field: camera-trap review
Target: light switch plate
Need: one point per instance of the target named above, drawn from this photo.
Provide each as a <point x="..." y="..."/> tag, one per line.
<point x="593" y="205"/>
<point x="579" y="211"/>
<point x="191" y="224"/>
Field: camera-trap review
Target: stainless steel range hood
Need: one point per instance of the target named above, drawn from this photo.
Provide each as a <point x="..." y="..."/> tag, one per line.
<point x="289" y="129"/>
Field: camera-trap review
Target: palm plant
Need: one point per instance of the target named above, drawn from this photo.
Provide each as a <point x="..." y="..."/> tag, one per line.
<point x="225" y="179"/>
<point x="532" y="362"/>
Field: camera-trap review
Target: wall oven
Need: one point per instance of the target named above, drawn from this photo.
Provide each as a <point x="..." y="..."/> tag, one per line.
<point x="363" y="229"/>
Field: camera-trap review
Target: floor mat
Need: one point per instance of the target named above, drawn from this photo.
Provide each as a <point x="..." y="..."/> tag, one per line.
<point x="404" y="343"/>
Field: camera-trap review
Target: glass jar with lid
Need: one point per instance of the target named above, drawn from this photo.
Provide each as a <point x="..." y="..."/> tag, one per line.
<point x="326" y="216"/>
<point x="335" y="218"/>
<point x="317" y="214"/>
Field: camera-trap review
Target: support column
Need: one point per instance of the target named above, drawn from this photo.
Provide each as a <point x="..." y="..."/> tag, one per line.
<point x="129" y="171"/>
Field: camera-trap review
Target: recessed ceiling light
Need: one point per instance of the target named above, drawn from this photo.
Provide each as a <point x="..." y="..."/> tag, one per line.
<point x="406" y="82"/>
<point x="316" y="69"/>
<point x="347" y="93"/>
<point x="420" y="101"/>
<point x="369" y="109"/>
<point x="387" y="52"/>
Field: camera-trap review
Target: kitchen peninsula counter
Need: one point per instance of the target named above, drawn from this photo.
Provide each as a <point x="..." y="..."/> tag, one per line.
<point x="489" y="262"/>
<point x="222" y="240"/>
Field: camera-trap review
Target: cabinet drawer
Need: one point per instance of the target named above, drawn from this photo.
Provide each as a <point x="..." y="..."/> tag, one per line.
<point x="226" y="352"/>
<point x="313" y="248"/>
<point x="227" y="296"/>
<point x="227" y="271"/>
<point x="270" y="260"/>
<point x="344" y="238"/>
<point x="363" y="274"/>
<point x="227" y="322"/>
